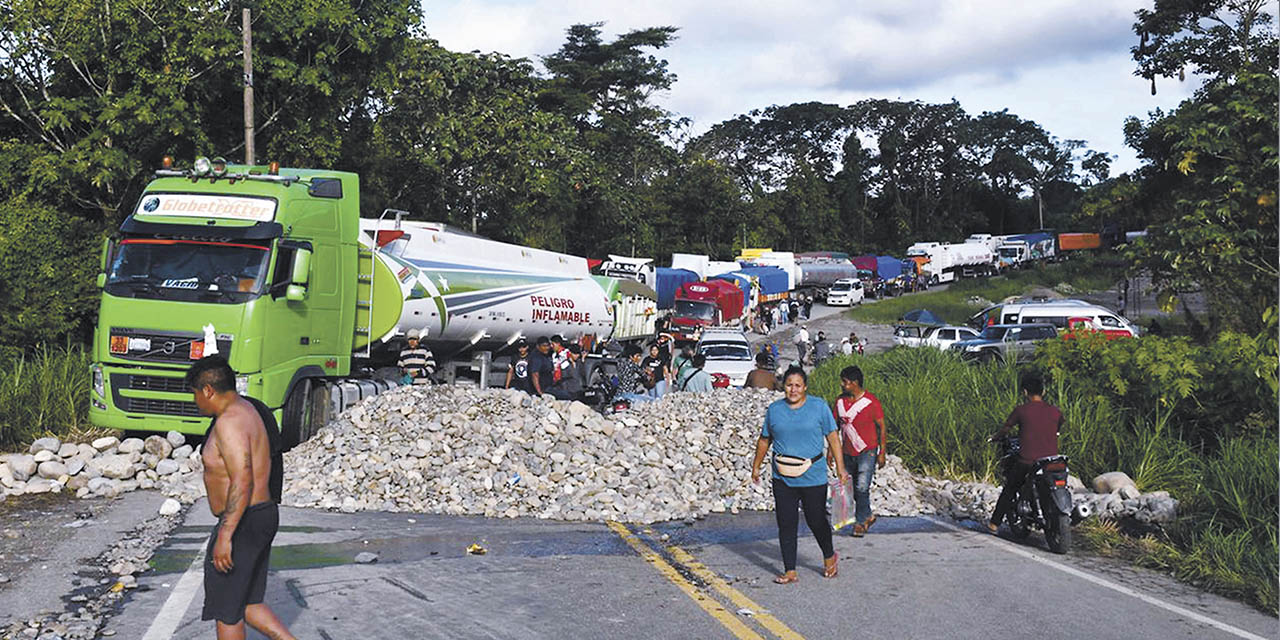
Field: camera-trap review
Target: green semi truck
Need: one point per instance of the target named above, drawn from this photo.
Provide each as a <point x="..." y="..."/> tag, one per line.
<point x="275" y="270"/>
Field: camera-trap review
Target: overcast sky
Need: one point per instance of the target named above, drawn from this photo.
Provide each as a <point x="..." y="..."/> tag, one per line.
<point x="1062" y="63"/>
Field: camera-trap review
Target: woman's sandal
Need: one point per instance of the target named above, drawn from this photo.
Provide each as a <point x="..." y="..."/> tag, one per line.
<point x="787" y="578"/>
<point x="830" y="570"/>
<point x="859" y="530"/>
<point x="866" y="526"/>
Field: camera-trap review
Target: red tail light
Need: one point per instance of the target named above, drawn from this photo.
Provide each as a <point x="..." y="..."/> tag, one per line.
<point x="1059" y="483"/>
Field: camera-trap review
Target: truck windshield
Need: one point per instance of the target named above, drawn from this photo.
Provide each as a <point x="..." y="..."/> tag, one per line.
<point x="696" y="310"/>
<point x="188" y="270"/>
<point x="1009" y="252"/>
<point x="865" y="274"/>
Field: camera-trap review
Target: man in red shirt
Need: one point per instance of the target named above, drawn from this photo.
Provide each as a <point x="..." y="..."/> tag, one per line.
<point x="1038" y="425"/>
<point x="861" y="421"/>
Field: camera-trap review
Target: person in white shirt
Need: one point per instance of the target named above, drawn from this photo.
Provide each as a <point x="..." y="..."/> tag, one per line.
<point x="802" y="343"/>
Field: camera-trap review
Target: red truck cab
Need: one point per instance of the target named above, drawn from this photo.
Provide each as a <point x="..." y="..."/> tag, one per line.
<point x="713" y="303"/>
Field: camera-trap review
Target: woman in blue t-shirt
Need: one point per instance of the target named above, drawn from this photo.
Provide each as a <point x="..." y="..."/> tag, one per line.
<point x="800" y="426"/>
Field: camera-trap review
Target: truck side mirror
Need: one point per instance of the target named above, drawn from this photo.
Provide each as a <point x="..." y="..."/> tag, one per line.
<point x="104" y="260"/>
<point x="300" y="274"/>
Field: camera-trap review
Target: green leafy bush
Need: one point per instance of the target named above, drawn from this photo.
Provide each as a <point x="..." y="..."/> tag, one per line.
<point x="48" y="263"/>
<point x="1175" y="416"/>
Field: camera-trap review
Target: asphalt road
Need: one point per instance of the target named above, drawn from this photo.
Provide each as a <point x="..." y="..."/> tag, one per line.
<point x="908" y="578"/>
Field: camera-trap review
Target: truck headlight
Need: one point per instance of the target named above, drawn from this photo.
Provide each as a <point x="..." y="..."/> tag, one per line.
<point x="242" y="385"/>
<point x="99" y="381"/>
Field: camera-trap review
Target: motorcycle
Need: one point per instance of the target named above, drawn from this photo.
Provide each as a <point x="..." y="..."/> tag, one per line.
<point x="1044" y="500"/>
<point x="603" y="396"/>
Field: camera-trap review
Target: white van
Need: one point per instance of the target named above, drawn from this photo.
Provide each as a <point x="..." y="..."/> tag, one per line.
<point x="1063" y="314"/>
<point x="845" y="292"/>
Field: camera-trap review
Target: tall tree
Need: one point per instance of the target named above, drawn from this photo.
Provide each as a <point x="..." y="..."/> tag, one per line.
<point x="1217" y="153"/>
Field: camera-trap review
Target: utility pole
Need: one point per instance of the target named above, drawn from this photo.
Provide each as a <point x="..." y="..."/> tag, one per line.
<point x="247" y="28"/>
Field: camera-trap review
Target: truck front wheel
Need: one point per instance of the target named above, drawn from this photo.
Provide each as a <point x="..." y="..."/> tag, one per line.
<point x="306" y="410"/>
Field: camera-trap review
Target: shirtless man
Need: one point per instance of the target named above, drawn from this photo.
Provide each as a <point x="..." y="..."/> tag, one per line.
<point x="237" y="467"/>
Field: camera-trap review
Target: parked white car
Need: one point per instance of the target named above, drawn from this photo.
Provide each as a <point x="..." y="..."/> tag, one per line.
<point x="727" y="352"/>
<point x="936" y="337"/>
<point x="845" y="292"/>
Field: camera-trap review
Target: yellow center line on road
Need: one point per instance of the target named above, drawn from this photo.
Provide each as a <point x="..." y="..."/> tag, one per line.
<point x="710" y="605"/>
<point x="738" y="598"/>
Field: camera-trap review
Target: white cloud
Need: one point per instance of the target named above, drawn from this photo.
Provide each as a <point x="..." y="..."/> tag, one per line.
<point x="1062" y="63"/>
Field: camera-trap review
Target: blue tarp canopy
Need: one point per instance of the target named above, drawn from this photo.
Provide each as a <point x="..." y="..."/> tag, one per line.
<point x="772" y="281"/>
<point x="888" y="267"/>
<point x="923" y="316"/>
<point x="669" y="280"/>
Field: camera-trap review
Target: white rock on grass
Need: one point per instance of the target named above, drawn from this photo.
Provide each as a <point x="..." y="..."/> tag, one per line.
<point x="104" y="443"/>
<point x="52" y="470"/>
<point x="45" y="444"/>
<point x="22" y="466"/>
<point x="131" y="445"/>
<point x="1112" y="481"/>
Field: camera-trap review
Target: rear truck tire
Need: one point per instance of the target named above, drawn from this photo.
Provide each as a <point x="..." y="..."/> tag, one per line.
<point x="1059" y="535"/>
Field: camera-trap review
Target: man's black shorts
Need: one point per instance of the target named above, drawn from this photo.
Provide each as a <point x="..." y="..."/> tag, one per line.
<point x="227" y="594"/>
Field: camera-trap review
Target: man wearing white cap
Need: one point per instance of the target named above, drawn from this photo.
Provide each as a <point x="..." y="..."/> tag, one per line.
<point x="417" y="363"/>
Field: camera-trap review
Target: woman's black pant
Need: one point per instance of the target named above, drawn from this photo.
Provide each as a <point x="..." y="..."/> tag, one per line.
<point x="787" y="502"/>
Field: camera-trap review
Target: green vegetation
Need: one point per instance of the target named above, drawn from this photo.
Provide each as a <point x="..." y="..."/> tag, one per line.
<point x="44" y="393"/>
<point x="1084" y="273"/>
<point x="1190" y="420"/>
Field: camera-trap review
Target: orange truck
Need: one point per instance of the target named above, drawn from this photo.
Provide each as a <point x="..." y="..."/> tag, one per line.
<point x="1078" y="241"/>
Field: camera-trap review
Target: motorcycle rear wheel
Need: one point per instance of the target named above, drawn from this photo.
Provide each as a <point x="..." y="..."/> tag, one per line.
<point x="1059" y="536"/>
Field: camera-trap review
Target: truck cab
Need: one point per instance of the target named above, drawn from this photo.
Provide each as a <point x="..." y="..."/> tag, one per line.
<point x="259" y="264"/>
<point x="702" y="305"/>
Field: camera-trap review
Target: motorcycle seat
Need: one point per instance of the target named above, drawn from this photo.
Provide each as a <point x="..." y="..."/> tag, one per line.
<point x="1052" y="463"/>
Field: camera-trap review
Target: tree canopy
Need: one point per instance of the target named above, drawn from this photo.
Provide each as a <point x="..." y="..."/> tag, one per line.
<point x="573" y="151"/>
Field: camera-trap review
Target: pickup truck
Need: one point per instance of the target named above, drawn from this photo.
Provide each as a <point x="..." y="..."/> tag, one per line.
<point x="1005" y="342"/>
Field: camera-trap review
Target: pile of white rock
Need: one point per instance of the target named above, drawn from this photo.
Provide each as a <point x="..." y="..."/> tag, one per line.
<point x="105" y="467"/>
<point x="501" y="453"/>
<point x="1115" y="497"/>
<point x="465" y="451"/>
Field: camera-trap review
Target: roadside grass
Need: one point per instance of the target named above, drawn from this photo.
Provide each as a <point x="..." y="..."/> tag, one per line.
<point x="1083" y="274"/>
<point x="941" y="410"/>
<point x="45" y="392"/>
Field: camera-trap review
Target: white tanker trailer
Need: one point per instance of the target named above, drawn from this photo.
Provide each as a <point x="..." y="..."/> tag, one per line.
<point x="465" y="292"/>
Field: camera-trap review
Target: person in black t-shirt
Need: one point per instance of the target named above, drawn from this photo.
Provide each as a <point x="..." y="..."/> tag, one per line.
<point x="657" y="368"/>
<point x="521" y="374"/>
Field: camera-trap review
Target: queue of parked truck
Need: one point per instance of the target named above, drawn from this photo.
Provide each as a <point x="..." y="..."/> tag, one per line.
<point x="277" y="270"/>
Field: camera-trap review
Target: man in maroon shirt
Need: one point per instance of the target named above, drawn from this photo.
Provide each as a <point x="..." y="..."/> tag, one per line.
<point x="1038" y="425"/>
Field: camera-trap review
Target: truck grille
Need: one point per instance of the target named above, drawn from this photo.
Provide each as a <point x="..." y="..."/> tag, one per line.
<point x="158" y="406"/>
<point x="154" y="383"/>
<point x="161" y="407"/>
<point x="165" y="346"/>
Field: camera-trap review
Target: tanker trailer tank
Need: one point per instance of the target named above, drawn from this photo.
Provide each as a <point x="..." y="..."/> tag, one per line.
<point x="470" y="293"/>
